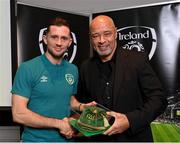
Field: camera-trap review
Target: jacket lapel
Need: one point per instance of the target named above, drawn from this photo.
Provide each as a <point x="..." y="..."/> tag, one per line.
<point x="119" y="73"/>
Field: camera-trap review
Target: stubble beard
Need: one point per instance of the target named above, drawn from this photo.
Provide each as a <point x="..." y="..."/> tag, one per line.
<point x="57" y="57"/>
<point x="104" y="54"/>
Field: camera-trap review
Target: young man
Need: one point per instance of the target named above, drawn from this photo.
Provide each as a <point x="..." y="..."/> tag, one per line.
<point x="43" y="89"/>
<point x="122" y="81"/>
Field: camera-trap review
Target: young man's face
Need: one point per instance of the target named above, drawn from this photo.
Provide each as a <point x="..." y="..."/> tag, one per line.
<point x="57" y="40"/>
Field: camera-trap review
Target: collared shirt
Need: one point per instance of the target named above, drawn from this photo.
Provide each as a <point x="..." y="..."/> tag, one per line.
<point x="106" y="70"/>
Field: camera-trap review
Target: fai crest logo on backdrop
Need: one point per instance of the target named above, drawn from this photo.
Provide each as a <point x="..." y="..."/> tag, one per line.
<point x="69" y="55"/>
<point x="139" y="38"/>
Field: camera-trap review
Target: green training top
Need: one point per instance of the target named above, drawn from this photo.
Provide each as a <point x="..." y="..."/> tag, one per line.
<point x="49" y="88"/>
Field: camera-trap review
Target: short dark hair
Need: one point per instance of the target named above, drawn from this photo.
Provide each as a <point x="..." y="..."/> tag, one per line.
<point x="58" y="21"/>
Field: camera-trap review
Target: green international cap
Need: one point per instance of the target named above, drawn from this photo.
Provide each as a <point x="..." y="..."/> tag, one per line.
<point x="92" y="121"/>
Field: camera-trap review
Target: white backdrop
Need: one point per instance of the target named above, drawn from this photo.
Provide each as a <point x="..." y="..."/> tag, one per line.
<point x="5" y="54"/>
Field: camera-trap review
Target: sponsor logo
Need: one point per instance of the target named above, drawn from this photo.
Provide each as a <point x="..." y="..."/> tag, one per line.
<point x="139" y="38"/>
<point x="69" y="78"/>
<point x="69" y="55"/>
<point x="44" y="79"/>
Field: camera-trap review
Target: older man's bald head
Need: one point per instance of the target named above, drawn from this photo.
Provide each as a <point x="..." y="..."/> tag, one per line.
<point x="103" y="36"/>
<point x="100" y="20"/>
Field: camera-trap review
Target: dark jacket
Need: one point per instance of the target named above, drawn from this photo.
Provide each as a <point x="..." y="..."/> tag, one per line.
<point x="137" y="92"/>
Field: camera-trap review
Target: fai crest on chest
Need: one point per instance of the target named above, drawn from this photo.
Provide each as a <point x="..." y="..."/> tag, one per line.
<point x="69" y="78"/>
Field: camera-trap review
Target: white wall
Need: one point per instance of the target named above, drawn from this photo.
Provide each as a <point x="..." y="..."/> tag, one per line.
<point x="86" y="7"/>
<point x="5" y="53"/>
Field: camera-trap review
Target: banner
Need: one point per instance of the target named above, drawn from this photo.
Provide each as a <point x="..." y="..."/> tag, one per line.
<point x="31" y="24"/>
<point x="156" y="31"/>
